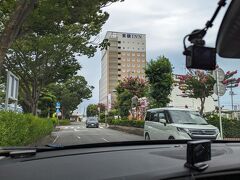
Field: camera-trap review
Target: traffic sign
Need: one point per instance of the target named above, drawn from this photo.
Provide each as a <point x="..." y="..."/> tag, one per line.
<point x="220" y="73"/>
<point x="222" y="89"/>
<point x="58" y="104"/>
<point x="58" y="111"/>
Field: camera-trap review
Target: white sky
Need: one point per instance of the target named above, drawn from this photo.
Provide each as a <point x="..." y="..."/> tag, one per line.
<point x="165" y="23"/>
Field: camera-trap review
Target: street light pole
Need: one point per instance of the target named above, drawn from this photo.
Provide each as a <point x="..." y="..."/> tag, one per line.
<point x="219" y="106"/>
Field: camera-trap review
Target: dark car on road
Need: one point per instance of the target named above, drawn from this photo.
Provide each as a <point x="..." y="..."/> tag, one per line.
<point x="92" y="122"/>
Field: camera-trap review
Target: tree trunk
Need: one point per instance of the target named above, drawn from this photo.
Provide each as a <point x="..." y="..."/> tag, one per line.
<point x="13" y="26"/>
<point x="35" y="97"/>
<point x="202" y="105"/>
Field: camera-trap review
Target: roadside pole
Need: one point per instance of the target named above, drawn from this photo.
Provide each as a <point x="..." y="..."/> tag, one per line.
<point x="219" y="106"/>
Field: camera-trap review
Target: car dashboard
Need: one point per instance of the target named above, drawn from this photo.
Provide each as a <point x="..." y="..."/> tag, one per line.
<point x="152" y="161"/>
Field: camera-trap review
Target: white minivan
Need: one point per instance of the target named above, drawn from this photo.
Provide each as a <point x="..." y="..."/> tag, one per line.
<point x="175" y="123"/>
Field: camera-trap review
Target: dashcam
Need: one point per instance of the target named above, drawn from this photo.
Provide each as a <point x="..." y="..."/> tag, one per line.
<point x="201" y="57"/>
<point x="197" y="153"/>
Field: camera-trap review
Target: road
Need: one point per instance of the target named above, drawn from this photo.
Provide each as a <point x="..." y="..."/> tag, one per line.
<point x="77" y="133"/>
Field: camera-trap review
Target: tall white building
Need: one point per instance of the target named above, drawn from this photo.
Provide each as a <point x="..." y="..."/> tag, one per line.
<point x="125" y="57"/>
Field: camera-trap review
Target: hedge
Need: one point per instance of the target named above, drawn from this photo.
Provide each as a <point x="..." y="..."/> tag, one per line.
<point x="231" y="127"/>
<point x="64" y="122"/>
<point x="130" y="123"/>
<point x="22" y="129"/>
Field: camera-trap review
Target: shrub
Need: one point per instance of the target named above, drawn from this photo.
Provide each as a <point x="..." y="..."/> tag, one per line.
<point x="64" y="122"/>
<point x="22" y="129"/>
<point x="129" y="123"/>
<point x="231" y="127"/>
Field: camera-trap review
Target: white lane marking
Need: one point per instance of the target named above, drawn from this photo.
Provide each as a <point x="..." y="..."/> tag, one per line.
<point x="100" y="127"/>
<point x="78" y="137"/>
<point x="105" y="140"/>
<point x="55" y="139"/>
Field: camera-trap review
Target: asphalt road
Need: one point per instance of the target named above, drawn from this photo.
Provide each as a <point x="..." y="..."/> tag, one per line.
<point x="77" y="133"/>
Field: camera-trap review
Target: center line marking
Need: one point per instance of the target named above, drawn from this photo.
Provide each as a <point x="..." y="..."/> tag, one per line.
<point x="105" y="140"/>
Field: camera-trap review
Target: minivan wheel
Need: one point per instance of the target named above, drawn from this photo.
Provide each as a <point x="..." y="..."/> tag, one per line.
<point x="147" y="137"/>
<point x="171" y="138"/>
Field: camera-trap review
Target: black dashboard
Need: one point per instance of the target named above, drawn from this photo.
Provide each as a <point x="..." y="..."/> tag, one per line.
<point x="151" y="161"/>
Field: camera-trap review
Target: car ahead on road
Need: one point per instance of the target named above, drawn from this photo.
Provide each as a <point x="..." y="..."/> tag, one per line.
<point x="92" y="122"/>
<point x="175" y="123"/>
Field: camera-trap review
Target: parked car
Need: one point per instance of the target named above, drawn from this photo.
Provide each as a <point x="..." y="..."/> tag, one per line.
<point x="175" y="123"/>
<point x="92" y="122"/>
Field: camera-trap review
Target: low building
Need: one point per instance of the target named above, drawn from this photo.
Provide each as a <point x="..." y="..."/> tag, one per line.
<point x="75" y="117"/>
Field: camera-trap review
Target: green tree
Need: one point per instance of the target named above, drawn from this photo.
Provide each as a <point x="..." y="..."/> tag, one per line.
<point x="52" y="36"/>
<point x="102" y="107"/>
<point x="160" y="79"/>
<point x="197" y="85"/>
<point x="47" y="103"/>
<point x="71" y="93"/>
<point x="18" y="18"/>
<point x="126" y="89"/>
<point x="92" y="110"/>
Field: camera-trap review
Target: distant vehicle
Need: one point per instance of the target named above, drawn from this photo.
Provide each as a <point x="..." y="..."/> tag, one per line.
<point x="175" y="123"/>
<point x="92" y="122"/>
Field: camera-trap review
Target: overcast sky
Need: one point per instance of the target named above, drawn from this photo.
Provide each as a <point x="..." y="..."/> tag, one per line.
<point x="165" y="23"/>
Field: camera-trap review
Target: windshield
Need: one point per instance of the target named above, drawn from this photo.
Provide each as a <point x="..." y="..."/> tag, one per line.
<point x="187" y="117"/>
<point x="116" y="63"/>
<point x="92" y="120"/>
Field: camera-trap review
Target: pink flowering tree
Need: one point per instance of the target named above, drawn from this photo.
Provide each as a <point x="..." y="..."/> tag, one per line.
<point x="197" y="85"/>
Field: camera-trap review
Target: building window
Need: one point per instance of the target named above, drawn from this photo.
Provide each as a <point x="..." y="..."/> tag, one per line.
<point x="138" y="71"/>
<point x="123" y="65"/>
<point x="128" y="70"/>
<point x="128" y="65"/>
<point x="119" y="58"/>
<point x="138" y="65"/>
<point x="119" y="41"/>
<point x="119" y="52"/>
<point x="133" y="59"/>
<point x="133" y="65"/>
<point x="133" y="54"/>
<point x="142" y="43"/>
<point x="128" y="54"/>
<point x="138" y="49"/>
<point x="123" y="41"/>
<point x="124" y="35"/>
<point x="123" y="47"/>
<point x="143" y="55"/>
<point x="142" y="48"/>
<point x="128" y="47"/>
<point x="123" y="53"/>
<point x="138" y="42"/>
<point x="119" y="47"/>
<point x="119" y="64"/>
<point x="119" y="75"/>
<point x="123" y="70"/>
<point x="138" y="54"/>
<point x="128" y="36"/>
<point x="119" y="69"/>
<point x="133" y="47"/>
<point x="138" y="59"/>
<point x="128" y="59"/>
<point x="123" y="59"/>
